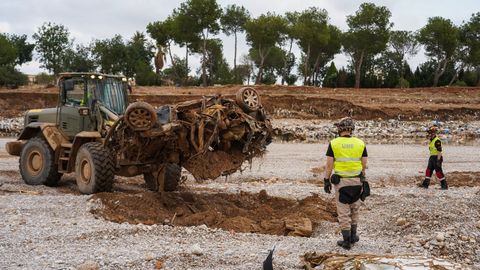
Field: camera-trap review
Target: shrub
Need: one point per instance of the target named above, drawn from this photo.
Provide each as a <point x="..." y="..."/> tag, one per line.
<point x="12" y="78"/>
<point x="402" y="83"/>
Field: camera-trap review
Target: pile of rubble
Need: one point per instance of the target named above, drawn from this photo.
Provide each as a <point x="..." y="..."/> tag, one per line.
<point x="332" y="261"/>
<point x="10" y="127"/>
<point x="380" y="130"/>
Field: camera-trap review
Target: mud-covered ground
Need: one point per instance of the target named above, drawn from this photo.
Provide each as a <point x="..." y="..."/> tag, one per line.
<point x="245" y="215"/>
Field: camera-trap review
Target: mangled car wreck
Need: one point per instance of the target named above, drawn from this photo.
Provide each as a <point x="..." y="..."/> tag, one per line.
<point x="96" y="134"/>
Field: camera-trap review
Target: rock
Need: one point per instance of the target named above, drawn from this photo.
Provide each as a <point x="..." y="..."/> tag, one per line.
<point x="89" y="265"/>
<point x="401" y="221"/>
<point x="440" y="236"/>
<point x="464" y="238"/>
<point x="298" y="227"/>
<point x="158" y="264"/>
<point x="196" y="250"/>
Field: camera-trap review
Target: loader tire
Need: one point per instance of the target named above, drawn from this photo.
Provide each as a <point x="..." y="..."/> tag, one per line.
<point x="248" y="99"/>
<point x="94" y="169"/>
<point x="140" y="116"/>
<point x="171" y="172"/>
<point x="37" y="163"/>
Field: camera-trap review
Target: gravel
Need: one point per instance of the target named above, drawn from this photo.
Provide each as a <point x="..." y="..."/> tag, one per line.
<point x="43" y="228"/>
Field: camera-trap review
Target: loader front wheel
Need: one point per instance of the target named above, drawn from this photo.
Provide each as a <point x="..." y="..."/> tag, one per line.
<point x="94" y="169"/>
<point x="169" y="174"/>
<point x="37" y="163"/>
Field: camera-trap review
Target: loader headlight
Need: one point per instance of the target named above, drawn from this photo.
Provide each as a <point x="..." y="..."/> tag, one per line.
<point x="84" y="111"/>
<point x="92" y="76"/>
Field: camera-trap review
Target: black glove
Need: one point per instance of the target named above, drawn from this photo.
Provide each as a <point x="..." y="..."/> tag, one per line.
<point x="327" y="186"/>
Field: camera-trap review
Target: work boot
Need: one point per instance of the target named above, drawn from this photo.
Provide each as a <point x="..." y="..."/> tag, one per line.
<point x="426" y="183"/>
<point x="353" y="234"/>
<point x="346" y="243"/>
<point x="444" y="184"/>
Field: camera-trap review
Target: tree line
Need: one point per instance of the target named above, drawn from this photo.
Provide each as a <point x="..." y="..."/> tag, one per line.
<point x="377" y="54"/>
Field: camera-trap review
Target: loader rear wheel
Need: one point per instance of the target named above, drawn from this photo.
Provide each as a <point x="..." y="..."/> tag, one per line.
<point x="248" y="99"/>
<point x="140" y="116"/>
<point x="170" y="173"/>
<point x="37" y="163"/>
<point x="94" y="169"/>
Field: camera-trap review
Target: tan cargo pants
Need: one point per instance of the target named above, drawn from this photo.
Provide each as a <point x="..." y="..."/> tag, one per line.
<point x="347" y="213"/>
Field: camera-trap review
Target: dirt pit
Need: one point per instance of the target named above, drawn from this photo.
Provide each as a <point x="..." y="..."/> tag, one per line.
<point x="243" y="212"/>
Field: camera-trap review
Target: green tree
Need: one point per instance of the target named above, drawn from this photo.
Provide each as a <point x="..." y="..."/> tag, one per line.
<point x="310" y="29"/>
<point x="330" y="79"/>
<point x="367" y="35"/>
<point x="324" y="53"/>
<point x="264" y="34"/>
<point x="246" y="68"/>
<point x="163" y="32"/>
<point x="24" y="48"/>
<point x="110" y="55"/>
<point x="470" y="38"/>
<point x="8" y="52"/>
<point x="139" y="52"/>
<point x="177" y="73"/>
<point x="233" y="22"/>
<point x="289" y="61"/>
<point x="402" y="44"/>
<point x="52" y="41"/>
<point x="440" y="39"/>
<point x="204" y="14"/>
<point x="12" y="52"/>
<point x="79" y="59"/>
<point x="218" y="71"/>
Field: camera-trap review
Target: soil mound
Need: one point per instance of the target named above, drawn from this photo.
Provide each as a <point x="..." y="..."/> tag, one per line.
<point x="243" y="212"/>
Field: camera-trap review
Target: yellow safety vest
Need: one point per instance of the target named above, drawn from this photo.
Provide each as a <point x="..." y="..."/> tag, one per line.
<point x="432" y="148"/>
<point x="347" y="153"/>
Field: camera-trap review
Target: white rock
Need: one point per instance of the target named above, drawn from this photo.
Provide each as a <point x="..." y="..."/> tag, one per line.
<point x="440" y="236"/>
<point x="196" y="250"/>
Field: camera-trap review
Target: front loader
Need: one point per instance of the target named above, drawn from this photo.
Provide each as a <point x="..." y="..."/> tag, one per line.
<point x="96" y="134"/>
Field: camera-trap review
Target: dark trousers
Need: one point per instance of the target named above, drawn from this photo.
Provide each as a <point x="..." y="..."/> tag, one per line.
<point x="433" y="166"/>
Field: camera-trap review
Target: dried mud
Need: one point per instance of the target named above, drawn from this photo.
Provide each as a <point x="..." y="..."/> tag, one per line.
<point x="243" y="212"/>
<point x="212" y="164"/>
<point x="454" y="103"/>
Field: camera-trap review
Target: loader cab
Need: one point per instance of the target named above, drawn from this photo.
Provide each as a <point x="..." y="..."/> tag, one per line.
<point x="80" y="96"/>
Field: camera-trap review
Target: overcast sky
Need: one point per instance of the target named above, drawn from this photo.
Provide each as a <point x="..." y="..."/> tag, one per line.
<point x="99" y="19"/>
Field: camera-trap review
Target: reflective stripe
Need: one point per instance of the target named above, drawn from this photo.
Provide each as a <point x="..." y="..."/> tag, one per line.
<point x="349" y="173"/>
<point x="441" y="179"/>
<point x="347" y="159"/>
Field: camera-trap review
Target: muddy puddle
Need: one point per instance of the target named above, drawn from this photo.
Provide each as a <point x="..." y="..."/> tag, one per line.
<point x="242" y="212"/>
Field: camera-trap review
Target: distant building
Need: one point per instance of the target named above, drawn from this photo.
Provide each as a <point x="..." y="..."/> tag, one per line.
<point x="32" y="79"/>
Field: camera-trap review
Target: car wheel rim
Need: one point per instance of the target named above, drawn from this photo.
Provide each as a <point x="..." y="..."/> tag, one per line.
<point x="250" y="98"/>
<point x="140" y="118"/>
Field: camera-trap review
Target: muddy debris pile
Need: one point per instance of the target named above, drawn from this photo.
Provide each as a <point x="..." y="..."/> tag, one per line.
<point x="403" y="131"/>
<point x="333" y="261"/>
<point x="242" y="212"/>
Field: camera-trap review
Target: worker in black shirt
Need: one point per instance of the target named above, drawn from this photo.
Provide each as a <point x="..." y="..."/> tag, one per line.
<point x="436" y="159"/>
<point x="347" y="157"/>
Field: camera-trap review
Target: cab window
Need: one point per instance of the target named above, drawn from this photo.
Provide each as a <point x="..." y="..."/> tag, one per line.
<point x="76" y="97"/>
